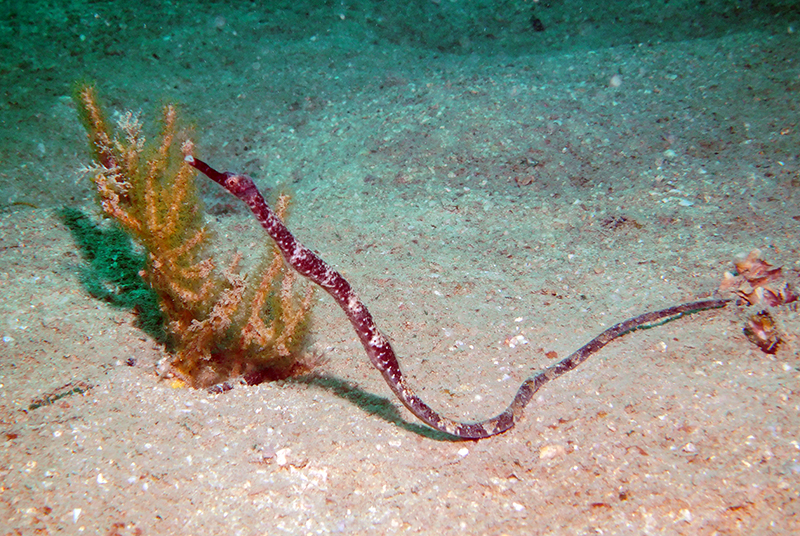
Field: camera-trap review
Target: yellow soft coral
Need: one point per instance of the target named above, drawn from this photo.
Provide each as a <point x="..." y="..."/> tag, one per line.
<point x="218" y="325"/>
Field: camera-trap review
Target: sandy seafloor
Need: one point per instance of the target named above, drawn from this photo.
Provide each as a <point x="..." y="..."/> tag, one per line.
<point x="476" y="181"/>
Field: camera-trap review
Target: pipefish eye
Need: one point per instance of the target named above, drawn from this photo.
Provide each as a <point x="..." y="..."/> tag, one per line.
<point x="233" y="180"/>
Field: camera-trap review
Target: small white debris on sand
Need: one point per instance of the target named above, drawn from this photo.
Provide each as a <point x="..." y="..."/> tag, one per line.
<point x="548" y="452"/>
<point x="280" y="456"/>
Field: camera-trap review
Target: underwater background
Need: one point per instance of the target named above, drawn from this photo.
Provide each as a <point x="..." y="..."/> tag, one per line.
<point x="499" y="181"/>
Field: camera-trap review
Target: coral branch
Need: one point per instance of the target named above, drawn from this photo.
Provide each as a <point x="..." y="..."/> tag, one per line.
<point x="377" y="347"/>
<point x="216" y="325"/>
